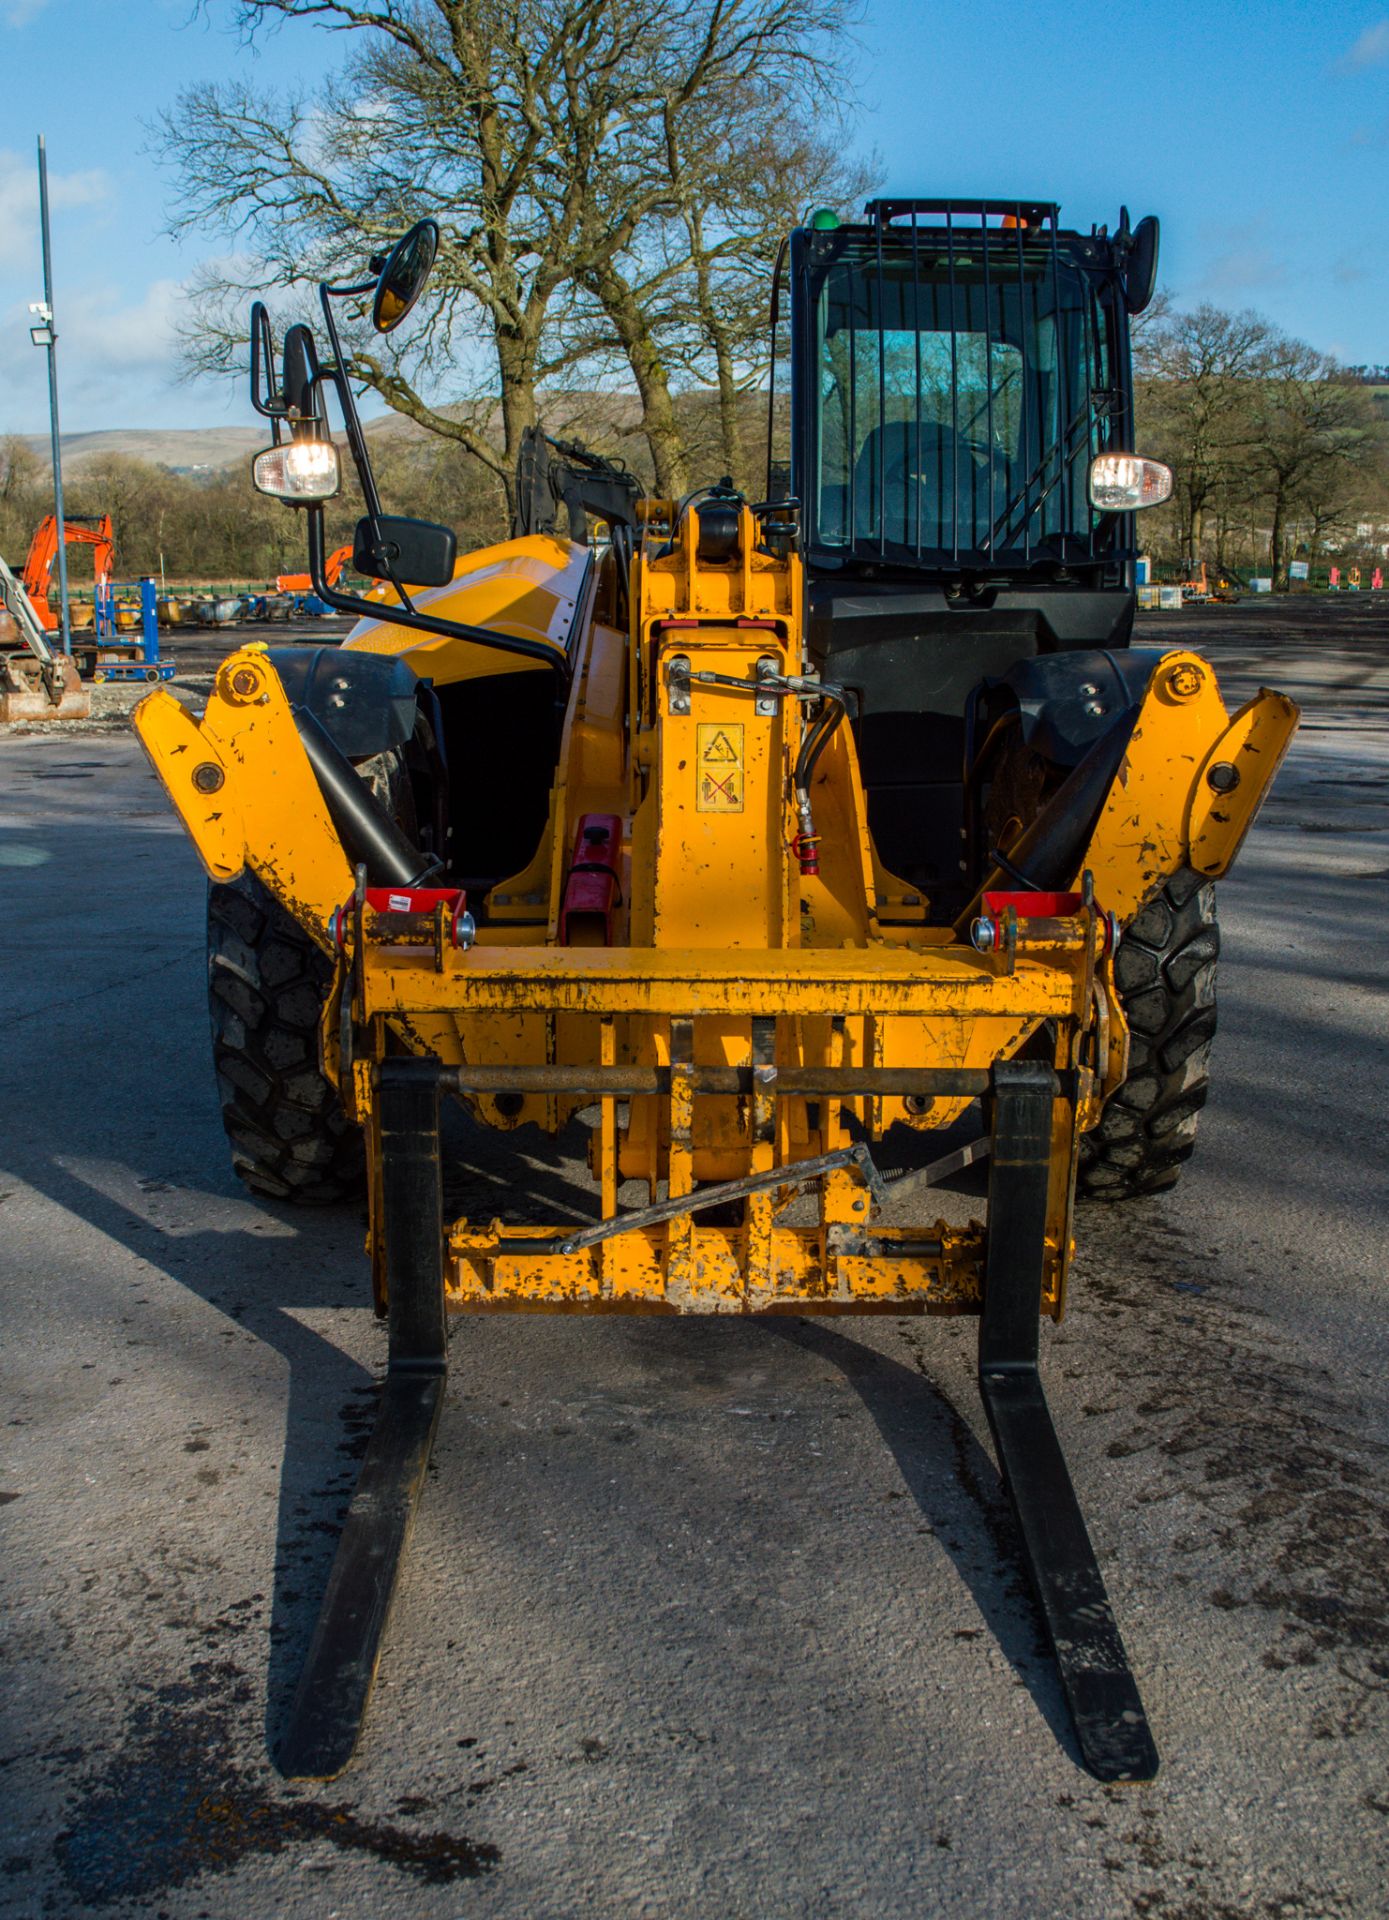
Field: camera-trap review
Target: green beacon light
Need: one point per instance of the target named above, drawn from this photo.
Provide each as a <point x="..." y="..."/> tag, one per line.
<point x="824" y="220"/>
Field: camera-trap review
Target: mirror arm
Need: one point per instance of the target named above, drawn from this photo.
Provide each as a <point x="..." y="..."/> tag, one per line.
<point x="420" y="622"/>
<point x="352" y="424"/>
<point x="351" y="420"/>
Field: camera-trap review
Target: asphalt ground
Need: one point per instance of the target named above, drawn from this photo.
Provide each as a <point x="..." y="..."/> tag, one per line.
<point x="699" y="1618"/>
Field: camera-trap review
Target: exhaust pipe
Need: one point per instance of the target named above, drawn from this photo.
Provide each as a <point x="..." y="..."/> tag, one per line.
<point x="369" y="835"/>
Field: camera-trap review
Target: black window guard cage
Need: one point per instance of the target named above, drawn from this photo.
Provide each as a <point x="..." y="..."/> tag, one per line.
<point x="1085" y="414"/>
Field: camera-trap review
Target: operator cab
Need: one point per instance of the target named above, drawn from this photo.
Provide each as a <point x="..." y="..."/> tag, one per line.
<point x="957" y="370"/>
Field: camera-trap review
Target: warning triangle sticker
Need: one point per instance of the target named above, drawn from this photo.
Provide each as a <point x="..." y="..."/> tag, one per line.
<point x="720" y="751"/>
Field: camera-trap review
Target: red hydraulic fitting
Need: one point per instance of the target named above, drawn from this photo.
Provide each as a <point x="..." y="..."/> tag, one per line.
<point x="592" y="891"/>
<point x="807" y="841"/>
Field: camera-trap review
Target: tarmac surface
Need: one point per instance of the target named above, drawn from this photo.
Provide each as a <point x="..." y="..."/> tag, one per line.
<point x="699" y="1618"/>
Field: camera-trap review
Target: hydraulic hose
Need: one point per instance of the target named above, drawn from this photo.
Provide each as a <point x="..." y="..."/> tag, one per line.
<point x="369" y="835"/>
<point x="833" y="705"/>
<point x="832" y="709"/>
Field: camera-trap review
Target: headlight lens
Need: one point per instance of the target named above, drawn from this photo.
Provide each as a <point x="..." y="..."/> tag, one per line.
<point x="1123" y="482"/>
<point x="303" y="470"/>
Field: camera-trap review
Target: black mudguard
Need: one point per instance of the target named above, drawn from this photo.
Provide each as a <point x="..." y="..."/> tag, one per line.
<point x="1077" y="710"/>
<point x="365" y="702"/>
<point x="1065" y="702"/>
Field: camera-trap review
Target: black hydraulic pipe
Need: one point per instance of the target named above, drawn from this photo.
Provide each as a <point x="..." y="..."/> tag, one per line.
<point x="1044" y="857"/>
<point x="368" y="834"/>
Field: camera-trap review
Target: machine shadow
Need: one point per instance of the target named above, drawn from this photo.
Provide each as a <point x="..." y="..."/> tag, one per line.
<point x="522" y="1175"/>
<point x="959" y="1493"/>
<point x="330" y="1398"/>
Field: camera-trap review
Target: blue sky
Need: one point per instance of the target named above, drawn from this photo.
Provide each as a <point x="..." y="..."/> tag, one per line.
<point x="1259" y="135"/>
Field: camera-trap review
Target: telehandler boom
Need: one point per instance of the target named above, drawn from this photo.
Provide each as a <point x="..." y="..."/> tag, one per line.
<point x="749" y="833"/>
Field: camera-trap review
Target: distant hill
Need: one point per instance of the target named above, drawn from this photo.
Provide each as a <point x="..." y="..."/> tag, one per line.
<point x="190" y="450"/>
<point x="186" y="449"/>
<point x="214" y="449"/>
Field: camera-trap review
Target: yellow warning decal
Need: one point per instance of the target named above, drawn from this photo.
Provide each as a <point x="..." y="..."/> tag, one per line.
<point x="720" y="769"/>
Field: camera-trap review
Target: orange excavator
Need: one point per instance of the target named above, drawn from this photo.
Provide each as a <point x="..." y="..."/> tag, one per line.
<point x="90" y="530"/>
<point x="303" y="583"/>
<point x="1211" y="583"/>
<point x="35" y="682"/>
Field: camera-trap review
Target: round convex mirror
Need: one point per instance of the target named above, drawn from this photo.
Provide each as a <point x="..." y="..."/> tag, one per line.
<point x="404" y="274"/>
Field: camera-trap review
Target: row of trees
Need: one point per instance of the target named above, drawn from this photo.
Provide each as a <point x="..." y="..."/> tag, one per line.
<point x="611" y="179"/>
<point x="214" y="527"/>
<point x="218" y="527"/>
<point x="1278" y="452"/>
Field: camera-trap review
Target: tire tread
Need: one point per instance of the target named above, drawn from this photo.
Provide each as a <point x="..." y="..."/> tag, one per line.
<point x="1165" y="970"/>
<point x="290" y="1139"/>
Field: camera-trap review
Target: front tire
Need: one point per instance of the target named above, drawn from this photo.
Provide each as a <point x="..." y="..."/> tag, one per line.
<point x="1165" y="971"/>
<point x="267" y="982"/>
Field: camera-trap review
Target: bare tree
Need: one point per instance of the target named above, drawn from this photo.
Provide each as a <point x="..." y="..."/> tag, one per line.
<point x="1194" y="374"/>
<point x="1312" y="430"/>
<point x="739" y="189"/>
<point x="25" y="496"/>
<point x="444" y="107"/>
<point x="538" y="133"/>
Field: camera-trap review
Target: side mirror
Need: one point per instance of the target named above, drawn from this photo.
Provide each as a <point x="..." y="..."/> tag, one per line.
<point x="403" y="276"/>
<point x="1140" y="275"/>
<point x="415" y="553"/>
<point x="299" y="378"/>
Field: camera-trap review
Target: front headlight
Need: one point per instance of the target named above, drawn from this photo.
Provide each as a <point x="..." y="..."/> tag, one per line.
<point x="1123" y="482"/>
<point x="303" y="472"/>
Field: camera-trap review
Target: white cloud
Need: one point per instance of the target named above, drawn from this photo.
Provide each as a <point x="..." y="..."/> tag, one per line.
<point x="117" y="361"/>
<point x="122" y="339"/>
<point x="1370" y="50"/>
<point x="19" y="206"/>
<point x="18" y="13"/>
<point x="1241" y="269"/>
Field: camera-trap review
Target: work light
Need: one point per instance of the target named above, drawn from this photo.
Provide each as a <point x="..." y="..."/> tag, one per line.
<point x="302" y="472"/>
<point x="1122" y="482"/>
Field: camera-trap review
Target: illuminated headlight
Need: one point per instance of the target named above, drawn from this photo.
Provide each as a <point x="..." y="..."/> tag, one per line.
<point x="1122" y="482"/>
<point x="304" y="470"/>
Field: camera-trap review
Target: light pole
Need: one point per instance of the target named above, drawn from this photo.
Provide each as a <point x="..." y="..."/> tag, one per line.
<point x="45" y="334"/>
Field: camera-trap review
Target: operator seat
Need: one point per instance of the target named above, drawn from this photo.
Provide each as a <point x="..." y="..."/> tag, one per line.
<point x="922" y="464"/>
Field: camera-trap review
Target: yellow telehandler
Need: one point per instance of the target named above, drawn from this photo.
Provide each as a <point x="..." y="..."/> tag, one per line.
<point x="745" y="831"/>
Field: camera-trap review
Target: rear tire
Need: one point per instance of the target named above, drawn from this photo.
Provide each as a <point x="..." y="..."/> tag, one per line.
<point x="267" y="982"/>
<point x="1165" y="972"/>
